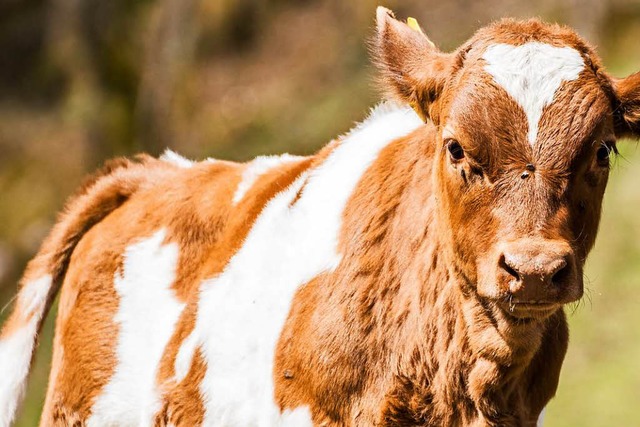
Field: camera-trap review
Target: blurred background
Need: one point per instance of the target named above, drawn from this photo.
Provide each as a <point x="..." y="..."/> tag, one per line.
<point x="85" y="80"/>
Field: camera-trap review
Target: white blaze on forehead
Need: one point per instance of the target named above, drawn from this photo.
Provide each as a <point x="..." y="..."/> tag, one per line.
<point x="532" y="73"/>
<point x="147" y="314"/>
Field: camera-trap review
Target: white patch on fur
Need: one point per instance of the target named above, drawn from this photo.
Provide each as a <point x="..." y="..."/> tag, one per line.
<point x="33" y="297"/>
<point x="174" y="158"/>
<point x="16" y="349"/>
<point x="257" y="167"/>
<point x="532" y="73"/>
<point x="147" y="315"/>
<point x="184" y="357"/>
<point x="298" y="417"/>
<point x="540" y="422"/>
<point x="242" y="311"/>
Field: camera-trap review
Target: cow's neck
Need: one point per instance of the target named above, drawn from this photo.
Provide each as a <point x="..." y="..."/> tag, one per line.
<point x="457" y="347"/>
<point x="497" y="357"/>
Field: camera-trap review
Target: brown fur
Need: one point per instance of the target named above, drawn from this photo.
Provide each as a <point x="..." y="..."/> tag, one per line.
<point x="84" y="345"/>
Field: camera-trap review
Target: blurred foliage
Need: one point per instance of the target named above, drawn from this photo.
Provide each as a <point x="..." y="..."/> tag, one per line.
<point x="84" y="80"/>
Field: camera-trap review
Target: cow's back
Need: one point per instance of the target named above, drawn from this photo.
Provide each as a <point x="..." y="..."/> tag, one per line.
<point x="131" y="277"/>
<point x="173" y="304"/>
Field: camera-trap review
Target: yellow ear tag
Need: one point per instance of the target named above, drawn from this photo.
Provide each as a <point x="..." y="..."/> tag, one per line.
<point x="413" y="24"/>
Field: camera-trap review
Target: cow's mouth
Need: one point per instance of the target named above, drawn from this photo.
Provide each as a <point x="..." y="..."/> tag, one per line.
<point x="529" y="309"/>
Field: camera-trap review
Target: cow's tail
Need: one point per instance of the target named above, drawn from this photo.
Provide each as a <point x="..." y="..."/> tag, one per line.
<point x="101" y="195"/>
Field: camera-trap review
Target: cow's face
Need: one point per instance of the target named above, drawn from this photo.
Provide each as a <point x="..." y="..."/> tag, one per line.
<point x="527" y="125"/>
<point x="526" y="140"/>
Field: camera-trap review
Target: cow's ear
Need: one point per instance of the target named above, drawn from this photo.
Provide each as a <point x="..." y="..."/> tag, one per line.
<point x="413" y="69"/>
<point x="627" y="113"/>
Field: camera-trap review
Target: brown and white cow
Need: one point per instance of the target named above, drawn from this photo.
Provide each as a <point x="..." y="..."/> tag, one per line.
<point x="413" y="272"/>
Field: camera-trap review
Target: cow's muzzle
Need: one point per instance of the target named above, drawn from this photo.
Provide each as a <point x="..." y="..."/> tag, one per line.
<point x="537" y="275"/>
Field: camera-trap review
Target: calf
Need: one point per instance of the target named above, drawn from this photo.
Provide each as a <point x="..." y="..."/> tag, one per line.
<point x="412" y="272"/>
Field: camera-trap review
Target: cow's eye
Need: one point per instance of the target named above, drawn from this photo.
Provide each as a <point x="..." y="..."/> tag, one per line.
<point x="604" y="153"/>
<point x="455" y="150"/>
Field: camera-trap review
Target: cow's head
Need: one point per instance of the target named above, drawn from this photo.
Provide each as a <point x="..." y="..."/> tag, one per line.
<point x="527" y="124"/>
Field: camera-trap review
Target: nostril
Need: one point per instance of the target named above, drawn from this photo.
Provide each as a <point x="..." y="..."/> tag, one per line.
<point x="506" y="267"/>
<point x="534" y="271"/>
<point x="561" y="274"/>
